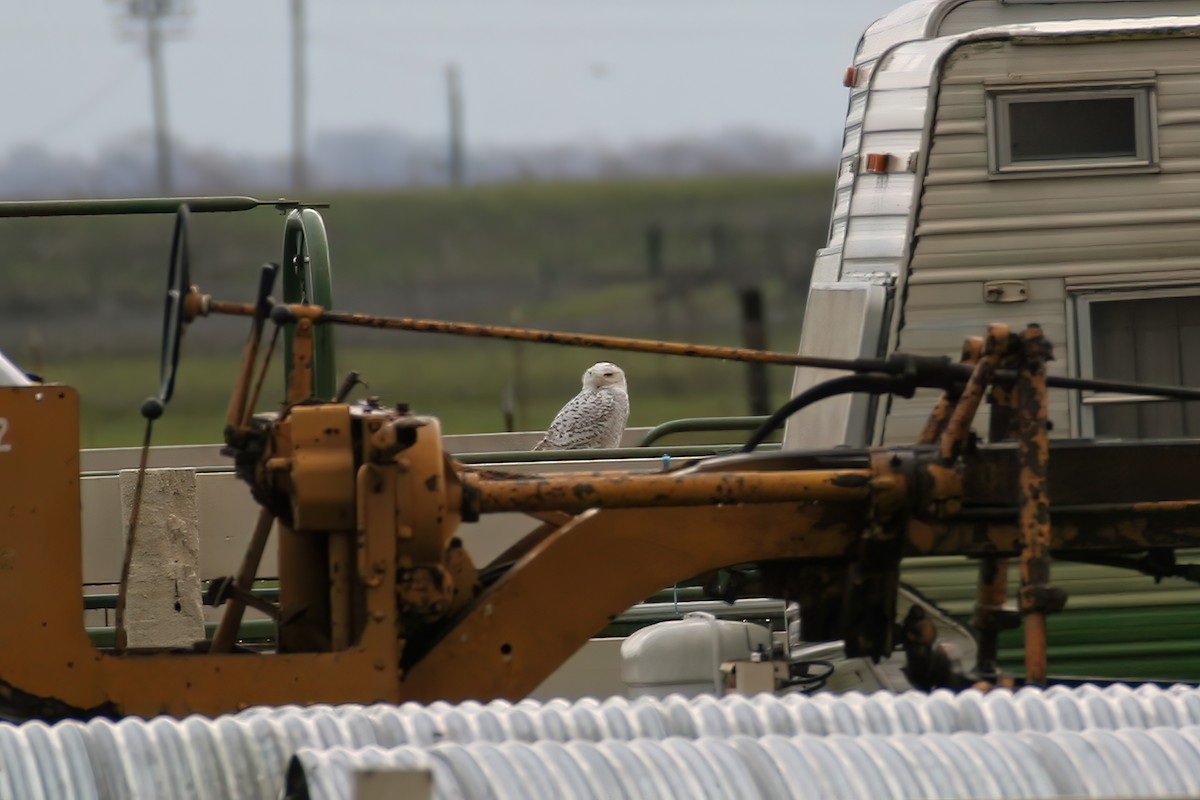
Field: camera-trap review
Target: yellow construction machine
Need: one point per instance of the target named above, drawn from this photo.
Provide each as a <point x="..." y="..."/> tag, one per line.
<point x="379" y="601"/>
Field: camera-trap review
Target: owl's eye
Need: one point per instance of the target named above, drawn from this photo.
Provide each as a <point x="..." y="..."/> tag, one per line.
<point x="608" y="374"/>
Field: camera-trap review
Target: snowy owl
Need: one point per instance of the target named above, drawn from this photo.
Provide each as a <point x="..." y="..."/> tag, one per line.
<point x="596" y="416"/>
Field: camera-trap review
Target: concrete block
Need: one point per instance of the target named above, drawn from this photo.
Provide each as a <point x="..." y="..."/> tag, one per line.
<point x="162" y="606"/>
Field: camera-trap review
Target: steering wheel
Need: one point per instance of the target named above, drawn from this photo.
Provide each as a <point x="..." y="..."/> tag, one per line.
<point x="178" y="283"/>
<point x="307" y="279"/>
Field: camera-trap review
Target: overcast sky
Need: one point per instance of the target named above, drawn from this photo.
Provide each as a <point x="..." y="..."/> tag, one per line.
<point x="532" y="71"/>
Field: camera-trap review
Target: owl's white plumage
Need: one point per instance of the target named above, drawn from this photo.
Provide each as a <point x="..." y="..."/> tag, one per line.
<point x="596" y="416"/>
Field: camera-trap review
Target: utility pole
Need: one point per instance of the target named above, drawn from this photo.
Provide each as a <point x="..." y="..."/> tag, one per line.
<point x="299" y="99"/>
<point x="150" y="16"/>
<point x="454" y="110"/>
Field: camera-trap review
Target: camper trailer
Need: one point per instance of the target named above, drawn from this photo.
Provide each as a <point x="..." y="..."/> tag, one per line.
<point x="1011" y="161"/>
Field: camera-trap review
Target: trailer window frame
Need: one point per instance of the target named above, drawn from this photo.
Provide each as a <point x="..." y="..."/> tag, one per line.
<point x="1143" y="122"/>
<point x="1083" y="354"/>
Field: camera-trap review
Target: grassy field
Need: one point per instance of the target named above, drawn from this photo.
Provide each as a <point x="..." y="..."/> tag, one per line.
<point x="82" y="302"/>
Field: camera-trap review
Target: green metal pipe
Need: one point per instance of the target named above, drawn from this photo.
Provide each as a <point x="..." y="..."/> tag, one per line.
<point x="255" y="630"/>
<point x="308" y="278"/>
<point x="99" y="601"/>
<point x="701" y="425"/>
<point x="1146" y="650"/>
<point x="136" y="205"/>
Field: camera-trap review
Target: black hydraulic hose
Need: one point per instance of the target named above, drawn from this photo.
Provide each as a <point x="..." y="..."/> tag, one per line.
<point x="1121" y="387"/>
<point x="873" y="382"/>
<point x="933" y="372"/>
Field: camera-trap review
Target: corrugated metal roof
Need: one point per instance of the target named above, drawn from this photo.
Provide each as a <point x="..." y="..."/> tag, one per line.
<point x="246" y="755"/>
<point x="1126" y="763"/>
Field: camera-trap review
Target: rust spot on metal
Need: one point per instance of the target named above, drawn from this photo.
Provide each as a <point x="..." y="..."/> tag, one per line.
<point x="1037" y="597"/>
<point x="957" y="428"/>
<point x="939" y="418"/>
<point x="851" y="481"/>
<point x="1158" y="507"/>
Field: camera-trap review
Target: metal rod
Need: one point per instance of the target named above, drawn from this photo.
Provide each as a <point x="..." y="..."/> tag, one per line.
<point x="581" y="491"/>
<point x="104" y="600"/>
<point x="954" y="436"/>
<point x="231" y="621"/>
<point x="939" y="418"/>
<point x="300" y="381"/>
<point x="1033" y="455"/>
<point x="580" y="340"/>
<point x="738" y="609"/>
<point x="700" y="425"/>
<point x="136" y="205"/>
<point x="583" y="340"/>
<point x="946" y="373"/>
<point x="1093" y="385"/>
<point x="258" y="384"/>
<point x="321" y="316"/>
<point x="610" y="454"/>
<point x="991" y="595"/>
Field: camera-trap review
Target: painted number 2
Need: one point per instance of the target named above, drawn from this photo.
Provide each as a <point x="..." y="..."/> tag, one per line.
<point x="4" y="446"/>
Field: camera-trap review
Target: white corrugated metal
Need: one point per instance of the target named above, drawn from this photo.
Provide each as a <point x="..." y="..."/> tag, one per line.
<point x="245" y="755"/>
<point x="870" y="219"/>
<point x="1096" y="763"/>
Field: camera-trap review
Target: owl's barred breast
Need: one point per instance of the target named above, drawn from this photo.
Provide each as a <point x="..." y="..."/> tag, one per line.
<point x="594" y="418"/>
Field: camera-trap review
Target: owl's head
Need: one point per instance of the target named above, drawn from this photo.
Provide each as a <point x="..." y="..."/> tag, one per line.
<point x="604" y="374"/>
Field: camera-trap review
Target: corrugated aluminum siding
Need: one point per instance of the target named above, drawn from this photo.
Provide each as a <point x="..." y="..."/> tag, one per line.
<point x="1042" y="229"/>
<point x="244" y="756"/>
<point x="1095" y="763"/>
<point x="918" y="20"/>
<point x="871" y="213"/>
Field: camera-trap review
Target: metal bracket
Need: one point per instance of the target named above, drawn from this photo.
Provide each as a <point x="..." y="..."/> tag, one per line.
<point x="1005" y="292"/>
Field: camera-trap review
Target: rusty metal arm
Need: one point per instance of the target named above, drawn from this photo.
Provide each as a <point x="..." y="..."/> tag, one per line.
<point x="925" y="371"/>
<point x="939" y="418"/>
<point x="226" y="634"/>
<point x="236" y="412"/>
<point x="205" y="305"/>
<point x="954" y="435"/>
<point x="522" y="628"/>
<point x="624" y="555"/>
<point x="576" y="492"/>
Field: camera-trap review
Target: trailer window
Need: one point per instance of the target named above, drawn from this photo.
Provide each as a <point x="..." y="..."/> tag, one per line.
<point x="1144" y="337"/>
<point x="1080" y="130"/>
